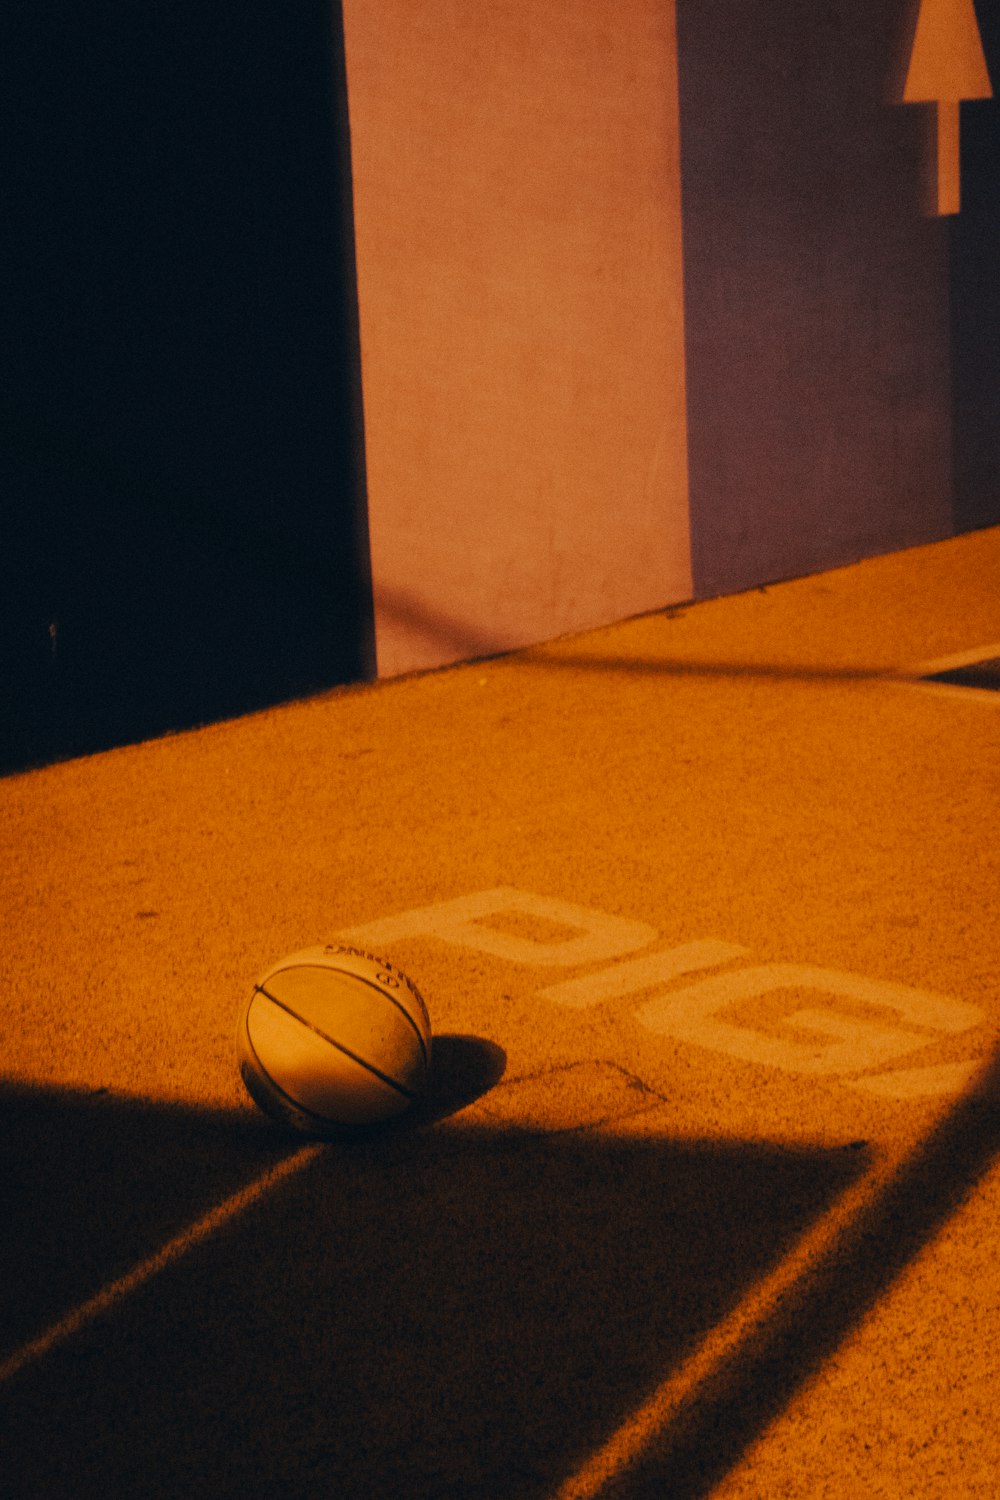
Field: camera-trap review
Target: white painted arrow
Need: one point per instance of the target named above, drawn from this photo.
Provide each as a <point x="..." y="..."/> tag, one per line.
<point x="947" y="65"/>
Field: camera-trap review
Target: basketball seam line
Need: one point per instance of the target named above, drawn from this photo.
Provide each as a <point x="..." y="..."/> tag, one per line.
<point x="291" y="1104"/>
<point x="384" y="963"/>
<point x="403" y="1012"/>
<point x="371" y="983"/>
<point x="361" y="1061"/>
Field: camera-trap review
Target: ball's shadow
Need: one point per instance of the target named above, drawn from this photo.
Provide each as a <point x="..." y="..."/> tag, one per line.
<point x="463" y="1069"/>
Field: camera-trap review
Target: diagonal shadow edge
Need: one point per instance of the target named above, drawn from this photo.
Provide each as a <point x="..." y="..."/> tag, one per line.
<point x="477" y="646"/>
<point x="740" y="1400"/>
<point x="453" y="1190"/>
<point x="272" y="1152"/>
<point x="667" y="666"/>
<point x="522" y="1361"/>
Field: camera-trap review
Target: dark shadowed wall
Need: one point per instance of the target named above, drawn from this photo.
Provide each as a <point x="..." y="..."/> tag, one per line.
<point x="976" y="300"/>
<point x="184" y="532"/>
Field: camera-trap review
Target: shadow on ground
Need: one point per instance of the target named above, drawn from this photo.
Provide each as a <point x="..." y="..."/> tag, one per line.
<point x="452" y="1309"/>
<point x="690" y="1460"/>
<point x="446" y="1311"/>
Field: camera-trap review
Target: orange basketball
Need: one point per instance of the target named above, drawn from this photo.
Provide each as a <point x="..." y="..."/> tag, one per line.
<point x="332" y="1036"/>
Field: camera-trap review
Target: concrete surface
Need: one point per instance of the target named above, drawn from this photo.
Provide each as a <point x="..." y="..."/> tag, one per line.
<point x="650" y="1234"/>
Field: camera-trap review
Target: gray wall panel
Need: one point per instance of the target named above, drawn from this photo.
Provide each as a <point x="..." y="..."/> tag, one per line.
<point x="817" y="311"/>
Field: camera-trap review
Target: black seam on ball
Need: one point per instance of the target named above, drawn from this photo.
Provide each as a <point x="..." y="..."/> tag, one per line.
<point x="373" y="985"/>
<point x="272" y="1099"/>
<point x="354" y="1056"/>
<point x="383" y="963"/>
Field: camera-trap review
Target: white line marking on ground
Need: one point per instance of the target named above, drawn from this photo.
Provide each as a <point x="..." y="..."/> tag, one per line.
<point x="953" y="690"/>
<point x="695" y="1015"/>
<point x="637" y="974"/>
<point x="595" y="935"/>
<point x="958" y="660"/>
<point x="918" y="676"/>
<point x="918" y="1083"/>
<point x="723" y="1345"/>
<point x="96" y="1306"/>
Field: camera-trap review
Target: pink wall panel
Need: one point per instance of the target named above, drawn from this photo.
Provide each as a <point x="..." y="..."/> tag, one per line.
<point x="517" y="206"/>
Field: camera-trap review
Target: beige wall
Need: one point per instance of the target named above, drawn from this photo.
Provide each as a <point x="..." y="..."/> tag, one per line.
<point x="517" y="207"/>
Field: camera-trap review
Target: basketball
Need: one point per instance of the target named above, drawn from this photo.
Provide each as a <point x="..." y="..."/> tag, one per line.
<point x="333" y="1037"/>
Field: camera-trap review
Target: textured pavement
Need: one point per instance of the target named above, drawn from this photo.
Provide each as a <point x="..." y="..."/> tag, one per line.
<point x="704" y="1201"/>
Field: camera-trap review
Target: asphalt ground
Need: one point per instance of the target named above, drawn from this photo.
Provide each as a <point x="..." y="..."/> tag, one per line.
<point x="703" y="1199"/>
